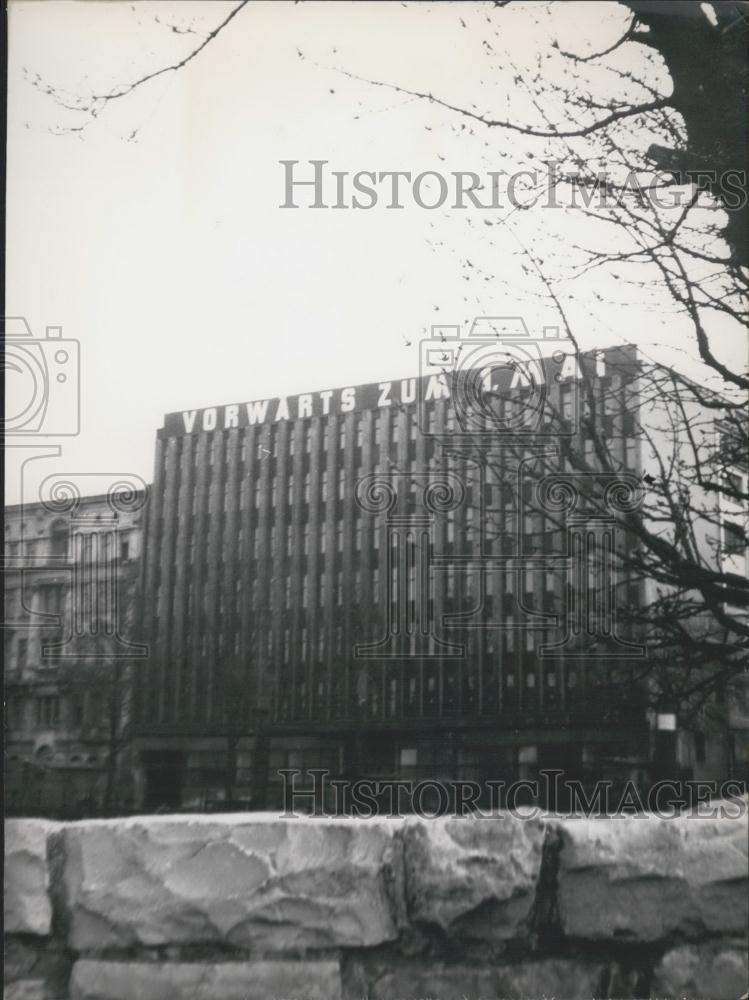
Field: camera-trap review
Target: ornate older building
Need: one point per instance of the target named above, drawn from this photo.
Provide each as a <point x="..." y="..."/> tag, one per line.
<point x="70" y="572"/>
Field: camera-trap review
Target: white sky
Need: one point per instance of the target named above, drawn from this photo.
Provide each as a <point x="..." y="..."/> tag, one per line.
<point x="167" y="255"/>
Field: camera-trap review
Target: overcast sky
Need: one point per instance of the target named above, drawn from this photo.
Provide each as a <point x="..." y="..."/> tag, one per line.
<point x="155" y="238"/>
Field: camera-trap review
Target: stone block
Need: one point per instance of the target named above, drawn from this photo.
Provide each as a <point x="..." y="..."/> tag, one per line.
<point x="473" y="878"/>
<point x="34" y="966"/>
<point x="644" y="879"/>
<point x="552" y="977"/>
<point x="32" y="989"/>
<point x="27" y="906"/>
<point x="245" y="880"/>
<point x="257" y="980"/>
<point x="703" y="972"/>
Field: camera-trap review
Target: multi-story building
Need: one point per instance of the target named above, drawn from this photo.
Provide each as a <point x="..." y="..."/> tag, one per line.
<point x="346" y="579"/>
<point x="70" y="573"/>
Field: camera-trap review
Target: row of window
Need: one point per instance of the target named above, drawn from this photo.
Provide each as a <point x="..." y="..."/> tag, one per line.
<point x="50" y="710"/>
<point x="490" y="597"/>
<point x="373" y="696"/>
<point x="57" y="547"/>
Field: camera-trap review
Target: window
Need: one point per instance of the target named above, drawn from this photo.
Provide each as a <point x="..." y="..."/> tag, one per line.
<point x="305" y="539"/>
<point x="409" y="757"/>
<point x="308" y="439"/>
<point x="289" y="539"/>
<point x="124" y="550"/>
<point x="291" y="444"/>
<point x="59" y="540"/>
<point x="566" y="404"/>
<point x="339" y="588"/>
<point x="47" y="710"/>
<point x="76" y="710"/>
<point x="734" y="539"/>
<point x="359" y="433"/>
<point x="23" y="649"/>
<point x="378" y="430"/>
<point x="510" y="634"/>
<point x="51" y="599"/>
<point x="290" y="490"/>
<point x="306" y="487"/>
<point x="342" y="436"/>
<point x="324" y="486"/>
<point x="341" y="484"/>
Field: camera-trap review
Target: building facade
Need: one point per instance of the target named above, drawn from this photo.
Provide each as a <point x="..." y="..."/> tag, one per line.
<point x="348" y="580"/>
<point x="71" y="570"/>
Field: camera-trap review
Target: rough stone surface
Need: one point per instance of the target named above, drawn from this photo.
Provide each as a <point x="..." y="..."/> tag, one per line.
<point x="553" y="977"/>
<point x="31" y="989"/>
<point x="93" y="980"/>
<point x="27" y="907"/>
<point x="34" y="966"/>
<point x="249" y="906"/>
<point x="645" y="879"/>
<point x="242" y="880"/>
<point x="474" y="879"/>
<point x="703" y="972"/>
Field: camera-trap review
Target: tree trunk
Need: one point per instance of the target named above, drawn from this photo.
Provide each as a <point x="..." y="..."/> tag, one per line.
<point x="113" y="743"/>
